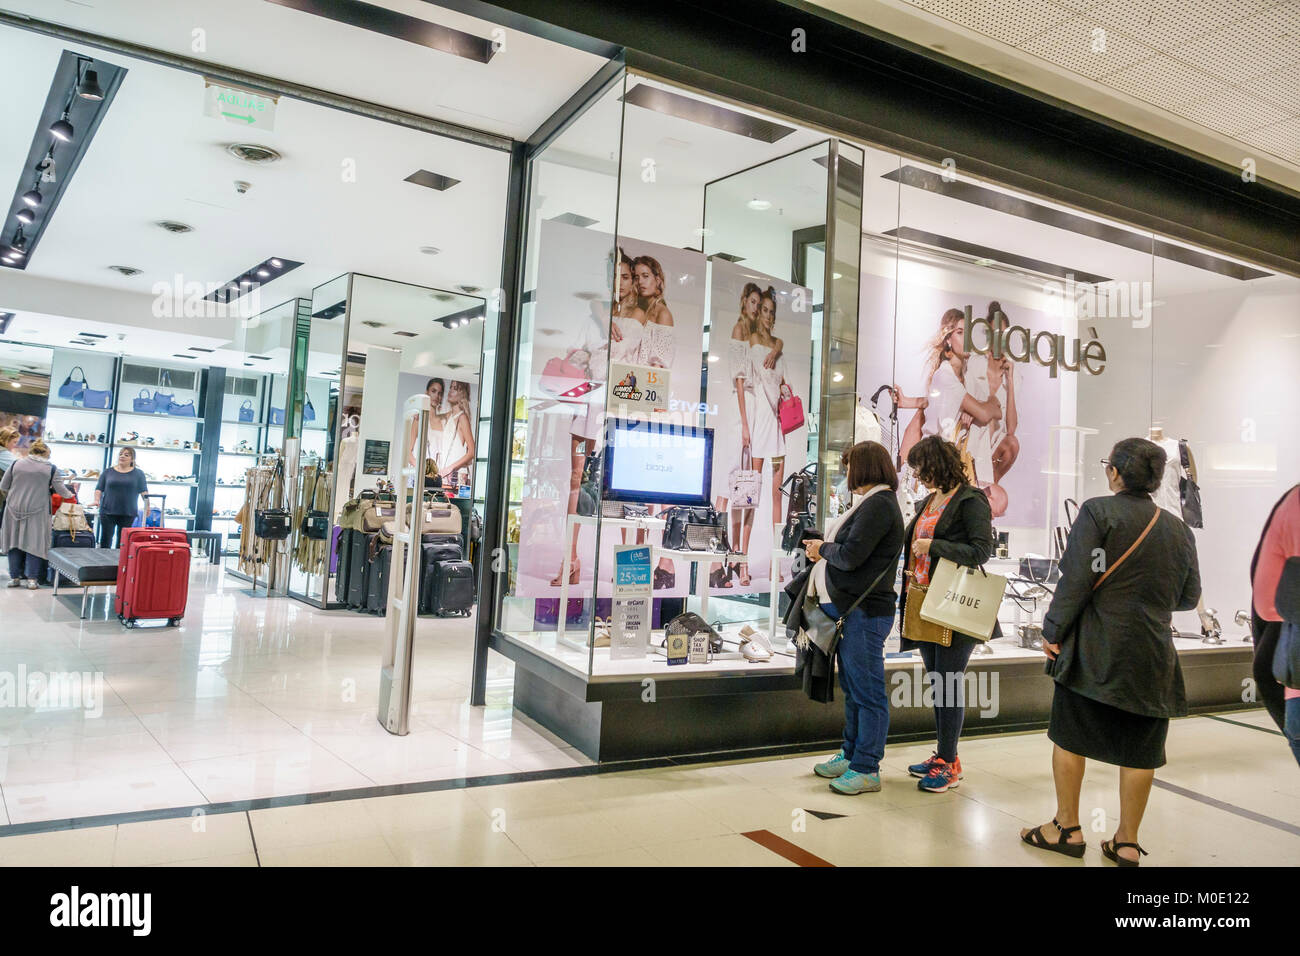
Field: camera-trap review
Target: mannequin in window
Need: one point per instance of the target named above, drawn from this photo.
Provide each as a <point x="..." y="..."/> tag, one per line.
<point x="1169" y="496"/>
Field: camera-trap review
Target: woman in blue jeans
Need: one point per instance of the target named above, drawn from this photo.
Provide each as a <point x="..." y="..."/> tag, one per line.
<point x="856" y="564"/>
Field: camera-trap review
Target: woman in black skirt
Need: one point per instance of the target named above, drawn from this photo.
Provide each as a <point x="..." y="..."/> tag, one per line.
<point x="1127" y="567"/>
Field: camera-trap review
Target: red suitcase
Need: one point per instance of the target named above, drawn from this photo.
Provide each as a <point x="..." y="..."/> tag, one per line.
<point x="153" y="575"/>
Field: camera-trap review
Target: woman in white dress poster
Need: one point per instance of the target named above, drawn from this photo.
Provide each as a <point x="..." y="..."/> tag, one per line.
<point x="456" y="447"/>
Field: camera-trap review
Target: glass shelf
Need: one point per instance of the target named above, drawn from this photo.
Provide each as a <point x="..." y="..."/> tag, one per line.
<point x="235" y="421"/>
<point x="186" y="451"/>
<point x="73" y="441"/>
<point x="177" y="484"/>
<point x="162" y="416"/>
<point x="76" y="408"/>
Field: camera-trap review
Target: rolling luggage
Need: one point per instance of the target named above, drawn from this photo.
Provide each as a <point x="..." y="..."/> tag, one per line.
<point x="152" y="514"/>
<point x="431" y="556"/>
<point x="67" y="539"/>
<point x="343" y="564"/>
<point x="359" y="555"/>
<point x="453" y="588"/>
<point x="377" y="581"/>
<point x="153" y="575"/>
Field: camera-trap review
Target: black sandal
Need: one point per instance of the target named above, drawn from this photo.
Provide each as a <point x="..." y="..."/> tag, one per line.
<point x="1036" y="839"/>
<point x="1108" y="848"/>
<point x="664" y="579"/>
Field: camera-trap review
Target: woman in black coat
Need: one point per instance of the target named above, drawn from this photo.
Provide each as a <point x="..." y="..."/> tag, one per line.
<point x="1127" y="567"/>
<point x="953" y="522"/>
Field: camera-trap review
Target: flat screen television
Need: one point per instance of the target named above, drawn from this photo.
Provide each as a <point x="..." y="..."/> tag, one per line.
<point x="656" y="463"/>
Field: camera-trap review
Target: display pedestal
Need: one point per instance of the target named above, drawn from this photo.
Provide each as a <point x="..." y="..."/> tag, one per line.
<point x="666" y="716"/>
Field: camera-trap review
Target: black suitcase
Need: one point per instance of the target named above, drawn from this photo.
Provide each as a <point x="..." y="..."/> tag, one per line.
<point x="342" y="568"/>
<point x="377" y="581"/>
<point x="431" y="556"/>
<point x="453" y="588"/>
<point x="358" y="562"/>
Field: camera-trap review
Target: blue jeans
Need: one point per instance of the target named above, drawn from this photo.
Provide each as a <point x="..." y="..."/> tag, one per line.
<point x="24" y="565"/>
<point x="945" y="670"/>
<point x="1293" y="726"/>
<point x="862" y="677"/>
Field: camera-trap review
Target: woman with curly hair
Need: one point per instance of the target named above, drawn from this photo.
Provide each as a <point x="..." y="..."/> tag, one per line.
<point x="954" y="522"/>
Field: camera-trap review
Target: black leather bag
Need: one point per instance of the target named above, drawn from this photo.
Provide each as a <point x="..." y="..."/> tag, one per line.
<point x="315" y="523"/>
<point x="589" y="489"/>
<point x="695" y="528"/>
<point x="1039" y="570"/>
<point x="1189" y="491"/>
<point x="692" y="623"/>
<point x="272" y="524"/>
<point x="797" y="527"/>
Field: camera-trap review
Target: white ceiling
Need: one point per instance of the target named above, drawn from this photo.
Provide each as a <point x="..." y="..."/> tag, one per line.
<point x="1220" y="77"/>
<point x="511" y="95"/>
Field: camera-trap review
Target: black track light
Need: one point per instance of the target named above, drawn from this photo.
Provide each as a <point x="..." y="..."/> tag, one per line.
<point x="26" y="216"/>
<point x="62" y="130"/>
<point x="33" y="197"/>
<point x="88" y="88"/>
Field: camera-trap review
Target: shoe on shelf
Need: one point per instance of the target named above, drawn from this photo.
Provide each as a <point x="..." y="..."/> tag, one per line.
<point x="832" y="768"/>
<point x="941" y="778"/>
<point x="851" y="783"/>
<point x="922" y="769"/>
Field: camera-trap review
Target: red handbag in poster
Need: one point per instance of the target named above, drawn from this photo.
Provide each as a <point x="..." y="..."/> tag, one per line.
<point x="561" y="374"/>
<point x="789" y="410"/>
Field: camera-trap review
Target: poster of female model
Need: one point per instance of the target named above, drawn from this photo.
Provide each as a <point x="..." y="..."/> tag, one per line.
<point x="452" y="424"/>
<point x="1002" y="410"/>
<point x="656" y="322"/>
<point x="760" y="346"/>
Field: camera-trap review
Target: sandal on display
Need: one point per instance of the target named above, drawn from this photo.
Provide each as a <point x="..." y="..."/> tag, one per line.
<point x="720" y="577"/>
<point x="575" y="568"/>
<point x="601" y="636"/>
<point x="742" y="571"/>
<point x="664" y="579"/>
<point x="1109" y="849"/>
<point x="1036" y="839"/>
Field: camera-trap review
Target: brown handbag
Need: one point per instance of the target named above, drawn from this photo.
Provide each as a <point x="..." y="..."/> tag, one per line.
<point x="915" y="627"/>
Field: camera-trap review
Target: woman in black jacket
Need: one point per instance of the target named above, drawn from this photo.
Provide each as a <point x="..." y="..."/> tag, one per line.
<point x="1127" y="567"/>
<point x="953" y="522"/>
<point x="853" y="574"/>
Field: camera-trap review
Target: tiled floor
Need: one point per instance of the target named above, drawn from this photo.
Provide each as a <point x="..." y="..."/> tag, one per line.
<point x="1230" y="796"/>
<point x="249" y="698"/>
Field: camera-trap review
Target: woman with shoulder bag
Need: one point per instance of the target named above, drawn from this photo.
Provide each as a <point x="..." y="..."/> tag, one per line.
<point x="953" y="522"/>
<point x="1126" y="568"/>
<point x="25" y="531"/>
<point x="853" y="569"/>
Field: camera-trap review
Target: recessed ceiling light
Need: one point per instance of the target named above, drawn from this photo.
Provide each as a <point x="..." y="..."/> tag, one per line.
<point x="430" y="250"/>
<point x="759" y="204"/>
<point x="409" y="335"/>
<point x="126" y="270"/>
<point x="171" y="225"/>
<point x="372" y="324"/>
<point x="470" y="289"/>
<point x="253" y="153"/>
<point x="263" y="273"/>
<point x="276" y="263"/>
<point x="422" y="177"/>
<point x="184" y="356"/>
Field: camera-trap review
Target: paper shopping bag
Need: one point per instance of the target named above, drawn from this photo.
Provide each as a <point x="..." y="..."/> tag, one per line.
<point x="964" y="599"/>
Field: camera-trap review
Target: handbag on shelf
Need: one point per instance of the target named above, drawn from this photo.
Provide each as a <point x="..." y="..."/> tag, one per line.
<point x="143" y="402"/>
<point x="71" y="388"/>
<point x="440" y="515"/>
<point x="745" y="482"/>
<point x="277" y="416"/>
<point x="789" y="410"/>
<point x="1039" y="570"/>
<point x="561" y="374"/>
<point x="182" y="409"/>
<point x="162" y="399"/>
<point x="1189" y="492"/>
<point x="246" y="411"/>
<point x="97" y="398"/>
<point x="308" y="412"/>
<point x="695" y="528"/>
<point x="691" y="623"/>
<point x="963" y="599"/>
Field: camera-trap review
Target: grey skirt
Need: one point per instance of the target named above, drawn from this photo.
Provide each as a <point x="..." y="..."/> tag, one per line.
<point x="1099" y="731"/>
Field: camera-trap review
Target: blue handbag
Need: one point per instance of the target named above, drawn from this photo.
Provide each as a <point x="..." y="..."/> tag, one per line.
<point x="153" y="518"/>
<point x="182" y="409"/>
<point x="162" y="399"/>
<point x="308" y="413"/>
<point x="71" y="389"/>
<point x="277" y="416"/>
<point x="143" y="402"/>
<point x="246" y="411"/>
<point x="94" y="398"/>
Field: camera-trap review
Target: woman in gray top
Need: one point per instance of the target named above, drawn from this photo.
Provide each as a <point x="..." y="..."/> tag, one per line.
<point x="25" y="531"/>
<point x="117" y="496"/>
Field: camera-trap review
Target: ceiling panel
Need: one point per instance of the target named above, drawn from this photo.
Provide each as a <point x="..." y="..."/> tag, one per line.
<point x="1012" y="23"/>
<point x="1166" y="24"/>
<point x="1077" y="45"/>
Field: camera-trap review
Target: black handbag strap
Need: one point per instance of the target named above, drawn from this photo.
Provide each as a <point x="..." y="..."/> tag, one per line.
<point x="861" y="597"/>
<point x="76" y="368"/>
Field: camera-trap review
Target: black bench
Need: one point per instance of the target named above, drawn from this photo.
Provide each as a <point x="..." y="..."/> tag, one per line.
<point x="85" y="568"/>
<point x="209" y="541"/>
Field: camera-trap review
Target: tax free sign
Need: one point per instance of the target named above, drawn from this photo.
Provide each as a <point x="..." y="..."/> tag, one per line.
<point x="244" y="108"/>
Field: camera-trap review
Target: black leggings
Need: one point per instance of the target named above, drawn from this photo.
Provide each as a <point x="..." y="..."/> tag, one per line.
<point x="109" y="526"/>
<point x="1270" y="693"/>
<point x="946" y="667"/>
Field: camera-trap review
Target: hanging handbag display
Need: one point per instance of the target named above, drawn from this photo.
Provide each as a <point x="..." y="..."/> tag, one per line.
<point x="963" y="599"/>
<point x="744" y="483"/>
<point x="246" y="411"/>
<point x="308" y="412"/>
<point x="789" y="410"/>
<point x="801" y="490"/>
<point x="71" y="388"/>
<point x="1189" y="492"/>
<point x="181" y="409"/>
<point x="143" y="402"/>
<point x="273" y="524"/>
<point x="315" y="523"/>
<point x="796" y="530"/>
<point x="695" y="528"/>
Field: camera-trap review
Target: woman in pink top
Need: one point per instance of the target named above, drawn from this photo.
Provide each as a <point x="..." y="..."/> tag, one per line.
<point x="1280" y="540"/>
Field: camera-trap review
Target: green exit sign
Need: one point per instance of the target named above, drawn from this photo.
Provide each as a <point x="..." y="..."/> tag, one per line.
<point x="246" y="108"/>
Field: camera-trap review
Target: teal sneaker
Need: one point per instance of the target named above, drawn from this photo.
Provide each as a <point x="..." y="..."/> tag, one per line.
<point x="832" y="768"/>
<point x="853" y="783"/>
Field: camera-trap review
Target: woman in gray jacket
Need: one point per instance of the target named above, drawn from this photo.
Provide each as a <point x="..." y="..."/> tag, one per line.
<point x="1127" y="567"/>
<point x="25" y="531"/>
